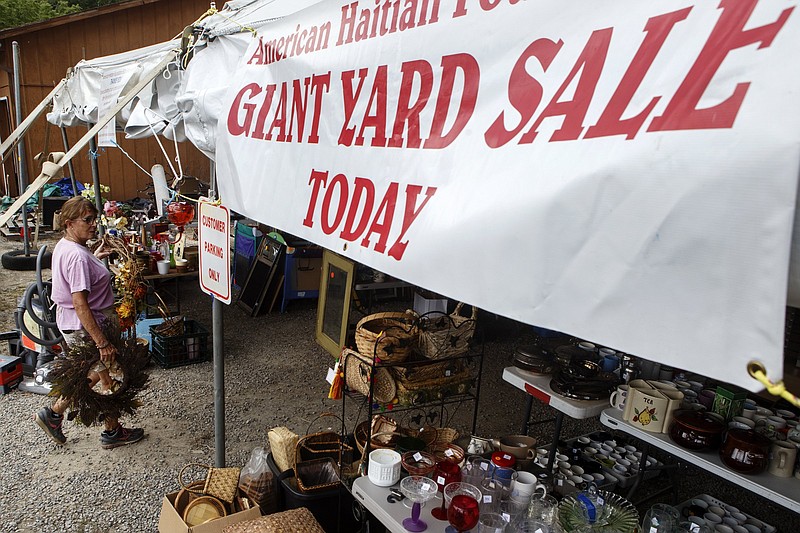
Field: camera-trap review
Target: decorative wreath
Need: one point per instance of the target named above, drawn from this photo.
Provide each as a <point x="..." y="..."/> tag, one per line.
<point x="69" y="379"/>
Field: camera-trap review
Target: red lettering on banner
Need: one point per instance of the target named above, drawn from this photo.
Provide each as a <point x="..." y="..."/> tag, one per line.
<point x="410" y="215"/>
<point x="610" y="122"/>
<point x="293" y="100"/>
<point x="406" y="116"/>
<point x="382" y="223"/>
<point x="339" y="181"/>
<point x="729" y="34"/>
<point x="360" y="221"/>
<point x="469" y="96"/>
<point x="408" y="113"/>
<point x="234" y="126"/>
<point x="524" y="91"/>
<point x="590" y="65"/>
<point x="258" y="130"/>
<point x="316" y="180"/>
<point x="363" y="187"/>
<point x="358" y="25"/>
<point x="376" y="121"/>
<point x="349" y="100"/>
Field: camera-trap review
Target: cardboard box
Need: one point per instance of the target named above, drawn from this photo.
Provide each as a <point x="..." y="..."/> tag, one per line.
<point x="308" y="273"/>
<point x="428" y="301"/>
<point x="171" y="522"/>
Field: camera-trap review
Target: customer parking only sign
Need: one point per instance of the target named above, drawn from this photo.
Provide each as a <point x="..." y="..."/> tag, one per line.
<point x="215" y="272"/>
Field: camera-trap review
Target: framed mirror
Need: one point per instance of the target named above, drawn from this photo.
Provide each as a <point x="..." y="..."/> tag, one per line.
<point x="333" y="308"/>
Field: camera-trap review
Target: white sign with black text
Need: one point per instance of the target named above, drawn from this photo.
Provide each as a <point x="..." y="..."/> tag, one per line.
<point x="215" y="270"/>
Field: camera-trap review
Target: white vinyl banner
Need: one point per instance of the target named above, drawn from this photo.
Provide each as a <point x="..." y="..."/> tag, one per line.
<point x="622" y="171"/>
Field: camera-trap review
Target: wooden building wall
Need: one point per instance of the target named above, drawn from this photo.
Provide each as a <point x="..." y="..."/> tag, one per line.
<point x="49" y="48"/>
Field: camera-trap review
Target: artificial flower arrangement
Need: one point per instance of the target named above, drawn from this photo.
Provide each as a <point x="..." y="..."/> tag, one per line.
<point x="129" y="284"/>
<point x="88" y="192"/>
<point x="114" y="215"/>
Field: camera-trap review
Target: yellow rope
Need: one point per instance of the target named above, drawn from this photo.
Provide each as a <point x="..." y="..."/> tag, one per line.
<point x="246" y="28"/>
<point x="758" y="372"/>
<point x="214" y="202"/>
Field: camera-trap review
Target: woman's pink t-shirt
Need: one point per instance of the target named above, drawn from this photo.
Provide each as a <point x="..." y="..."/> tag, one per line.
<point x="76" y="269"/>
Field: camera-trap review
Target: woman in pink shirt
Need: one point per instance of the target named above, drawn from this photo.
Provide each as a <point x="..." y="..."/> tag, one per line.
<point x="82" y="291"/>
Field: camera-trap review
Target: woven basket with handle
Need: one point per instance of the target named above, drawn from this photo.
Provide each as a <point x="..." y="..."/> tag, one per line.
<point x="359" y="371"/>
<point x="442" y="336"/>
<point x="323" y="444"/>
<point x="220" y="483"/>
<point x="389" y="337"/>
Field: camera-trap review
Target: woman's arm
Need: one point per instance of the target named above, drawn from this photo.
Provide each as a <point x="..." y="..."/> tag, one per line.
<point x="80" y="302"/>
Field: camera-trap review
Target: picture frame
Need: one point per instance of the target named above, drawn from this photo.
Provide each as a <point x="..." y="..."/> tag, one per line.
<point x="333" y="307"/>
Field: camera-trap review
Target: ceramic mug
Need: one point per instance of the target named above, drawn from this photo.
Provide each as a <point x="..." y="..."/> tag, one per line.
<point x="773" y="424"/>
<point x="520" y="446"/>
<point x="782" y="456"/>
<point x="796" y="442"/>
<point x="618" y="397"/>
<point x="525" y="484"/>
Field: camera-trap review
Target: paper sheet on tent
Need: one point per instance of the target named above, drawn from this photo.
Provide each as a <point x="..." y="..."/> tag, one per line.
<point x="670" y="241"/>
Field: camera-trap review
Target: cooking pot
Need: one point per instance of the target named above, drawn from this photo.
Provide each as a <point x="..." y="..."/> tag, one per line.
<point x="745" y="451"/>
<point x="696" y="430"/>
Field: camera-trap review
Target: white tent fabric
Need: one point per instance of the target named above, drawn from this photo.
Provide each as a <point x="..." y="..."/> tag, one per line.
<point x="80" y="100"/>
<point x="674" y="245"/>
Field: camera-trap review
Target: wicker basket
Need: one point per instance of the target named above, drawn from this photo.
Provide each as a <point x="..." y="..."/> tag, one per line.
<point x="447" y="452"/>
<point x="221" y="483"/>
<point x="429" y="371"/>
<point x="442" y="336"/>
<point x="383" y="432"/>
<point x="389" y="337"/>
<point x="420" y="392"/>
<point x="298" y="520"/>
<point x="171" y="327"/>
<point x="321" y="445"/>
<point x="317" y="475"/>
<point x="282" y="444"/>
<point x="359" y="371"/>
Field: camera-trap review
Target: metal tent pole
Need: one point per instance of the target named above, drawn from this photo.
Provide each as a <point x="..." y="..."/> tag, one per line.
<point x="69" y="163"/>
<point x="217" y="332"/>
<point x="23" y="171"/>
<point x="98" y="201"/>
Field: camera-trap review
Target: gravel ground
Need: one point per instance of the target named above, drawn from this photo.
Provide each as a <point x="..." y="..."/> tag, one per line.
<point x="274" y="374"/>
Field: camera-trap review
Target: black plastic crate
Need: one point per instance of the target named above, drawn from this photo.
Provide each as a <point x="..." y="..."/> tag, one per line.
<point x="182" y="349"/>
<point x="329" y="506"/>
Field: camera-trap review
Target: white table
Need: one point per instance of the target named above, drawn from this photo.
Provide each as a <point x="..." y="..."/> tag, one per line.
<point x="392" y="515"/>
<point x="537" y="386"/>
<point x="783" y="491"/>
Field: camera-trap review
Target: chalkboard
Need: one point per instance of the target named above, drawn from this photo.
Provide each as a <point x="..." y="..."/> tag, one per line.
<point x="263" y="276"/>
<point x="333" y="308"/>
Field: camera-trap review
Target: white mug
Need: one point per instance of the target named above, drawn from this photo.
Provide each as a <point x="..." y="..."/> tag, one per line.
<point x="618" y="397"/>
<point x="782" y="456"/>
<point x="525" y="484"/>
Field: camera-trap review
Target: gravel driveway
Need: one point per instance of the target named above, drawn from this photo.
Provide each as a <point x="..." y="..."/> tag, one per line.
<point x="275" y="375"/>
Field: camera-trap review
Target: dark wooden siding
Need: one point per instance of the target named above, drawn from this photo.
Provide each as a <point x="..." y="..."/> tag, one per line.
<point x="46" y="52"/>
